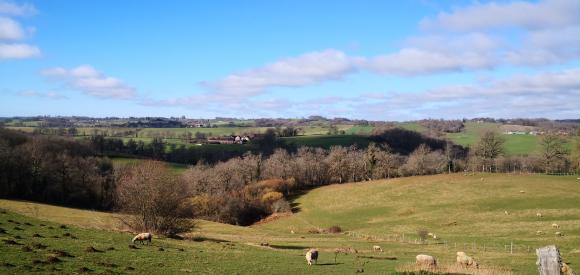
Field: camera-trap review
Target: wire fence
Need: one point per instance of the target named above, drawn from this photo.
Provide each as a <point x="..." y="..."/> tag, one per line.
<point x="504" y="247"/>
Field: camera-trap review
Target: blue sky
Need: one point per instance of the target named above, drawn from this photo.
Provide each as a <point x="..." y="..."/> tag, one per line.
<point x="379" y="60"/>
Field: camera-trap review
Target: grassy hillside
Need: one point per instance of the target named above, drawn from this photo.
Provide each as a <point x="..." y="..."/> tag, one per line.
<point x="466" y="212"/>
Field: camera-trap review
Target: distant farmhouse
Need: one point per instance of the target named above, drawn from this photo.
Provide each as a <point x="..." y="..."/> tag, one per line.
<point x="229" y="140"/>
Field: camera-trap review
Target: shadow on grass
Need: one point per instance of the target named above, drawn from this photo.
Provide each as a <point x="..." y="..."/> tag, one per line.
<point x="207" y="239"/>
<point x="329" y="264"/>
<point x="290" y="247"/>
<point x="392" y="258"/>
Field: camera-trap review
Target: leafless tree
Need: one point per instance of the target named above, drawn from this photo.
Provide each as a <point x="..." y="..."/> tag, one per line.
<point x="153" y="198"/>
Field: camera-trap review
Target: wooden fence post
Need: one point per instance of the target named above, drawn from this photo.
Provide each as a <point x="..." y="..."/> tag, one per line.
<point x="549" y="262"/>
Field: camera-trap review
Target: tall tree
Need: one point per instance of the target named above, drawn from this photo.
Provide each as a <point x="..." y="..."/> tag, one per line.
<point x="553" y="153"/>
<point x="488" y="148"/>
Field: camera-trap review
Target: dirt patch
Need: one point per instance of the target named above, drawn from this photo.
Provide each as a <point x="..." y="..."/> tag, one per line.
<point x="61" y="253"/>
<point x="91" y="249"/>
<point x="39" y="246"/>
<point x="11" y="242"/>
<point x="273" y="217"/>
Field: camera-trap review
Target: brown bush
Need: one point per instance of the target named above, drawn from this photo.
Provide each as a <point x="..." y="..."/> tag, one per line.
<point x="334" y="229"/>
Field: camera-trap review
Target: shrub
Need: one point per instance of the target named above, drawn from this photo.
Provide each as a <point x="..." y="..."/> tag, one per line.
<point x="271" y="197"/>
<point x="281" y="206"/>
<point x="334" y="229"/>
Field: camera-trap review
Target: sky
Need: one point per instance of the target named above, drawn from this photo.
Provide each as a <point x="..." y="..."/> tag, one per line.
<point x="375" y="60"/>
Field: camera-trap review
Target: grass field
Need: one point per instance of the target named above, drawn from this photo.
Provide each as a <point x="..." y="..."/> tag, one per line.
<point x="514" y="144"/>
<point x="466" y="212"/>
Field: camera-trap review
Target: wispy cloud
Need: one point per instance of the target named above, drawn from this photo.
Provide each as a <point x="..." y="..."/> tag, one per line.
<point x="14" y="9"/>
<point x="530" y="15"/>
<point x="91" y="82"/>
<point x="46" y="95"/>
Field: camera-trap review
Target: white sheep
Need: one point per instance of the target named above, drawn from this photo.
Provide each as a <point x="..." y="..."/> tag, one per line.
<point x="539" y="232"/>
<point x="425" y="260"/>
<point x="559" y="234"/>
<point x="465" y="260"/>
<point x="430" y="234"/>
<point x="505" y="212"/>
<point x="566" y="269"/>
<point x="141" y="237"/>
<point x="377" y="248"/>
<point x="435" y="237"/>
<point x="311" y="256"/>
<point x="555" y="225"/>
<point x="539" y="215"/>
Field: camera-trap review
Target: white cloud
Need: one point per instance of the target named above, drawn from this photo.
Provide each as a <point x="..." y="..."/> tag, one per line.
<point x="415" y="61"/>
<point x="10" y="29"/>
<point x="18" y="51"/>
<point x="529" y="15"/>
<point x="307" y="69"/>
<point x="13" y="9"/>
<point x="91" y="82"/>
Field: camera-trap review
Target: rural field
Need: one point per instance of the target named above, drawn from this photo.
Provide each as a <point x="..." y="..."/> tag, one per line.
<point x="467" y="212"/>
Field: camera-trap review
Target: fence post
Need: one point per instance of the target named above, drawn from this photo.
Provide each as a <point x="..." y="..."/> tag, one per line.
<point x="549" y="261"/>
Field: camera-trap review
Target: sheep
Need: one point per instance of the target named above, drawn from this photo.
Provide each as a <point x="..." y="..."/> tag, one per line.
<point x="311" y="256"/>
<point x="435" y="237"/>
<point x="425" y="260"/>
<point x="539" y="232"/>
<point x="143" y="237"/>
<point x="465" y="260"/>
<point x="377" y="248"/>
<point x="559" y="234"/>
<point x="522" y="191"/>
<point x="566" y="269"/>
<point x="539" y="215"/>
<point x="430" y="234"/>
<point x="555" y="225"/>
<point x="505" y="212"/>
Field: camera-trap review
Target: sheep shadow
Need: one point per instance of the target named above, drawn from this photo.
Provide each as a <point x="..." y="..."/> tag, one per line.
<point x="329" y="264"/>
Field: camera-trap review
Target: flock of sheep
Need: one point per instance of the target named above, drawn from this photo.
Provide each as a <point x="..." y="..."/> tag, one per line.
<point x="420" y="260"/>
<point x="540" y="232"/>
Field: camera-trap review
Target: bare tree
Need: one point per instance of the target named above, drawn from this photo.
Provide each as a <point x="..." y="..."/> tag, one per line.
<point x="153" y="199"/>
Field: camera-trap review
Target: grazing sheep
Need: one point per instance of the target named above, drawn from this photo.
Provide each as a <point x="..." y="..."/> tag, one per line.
<point x="539" y="232"/>
<point x="505" y="212"/>
<point x="465" y="260"/>
<point x="292" y="232"/>
<point x="143" y="237"/>
<point x="566" y="269"/>
<point x="425" y="260"/>
<point x="311" y="256"/>
<point x="435" y="237"/>
<point x="539" y="215"/>
<point x="555" y="225"/>
<point x="430" y="234"/>
<point x="559" y="234"/>
<point x="377" y="248"/>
